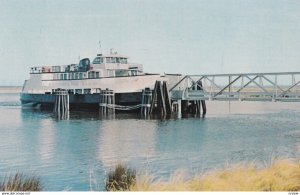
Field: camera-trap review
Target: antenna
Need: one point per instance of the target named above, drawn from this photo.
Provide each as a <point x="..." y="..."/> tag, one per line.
<point x="100" y="47"/>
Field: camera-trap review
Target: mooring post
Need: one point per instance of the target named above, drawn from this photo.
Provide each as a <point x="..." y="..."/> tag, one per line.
<point x="105" y="101"/>
<point x="179" y="108"/>
<point x="68" y="102"/>
<point x="167" y="98"/>
<point x="112" y="102"/>
<point x="143" y="102"/>
<point x="162" y="99"/>
<point x="146" y="102"/>
<point x="154" y="97"/>
<point x="203" y="106"/>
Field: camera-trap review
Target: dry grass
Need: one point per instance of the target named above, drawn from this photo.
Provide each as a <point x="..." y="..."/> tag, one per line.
<point x="19" y="182"/>
<point x="282" y="175"/>
<point x="121" y="179"/>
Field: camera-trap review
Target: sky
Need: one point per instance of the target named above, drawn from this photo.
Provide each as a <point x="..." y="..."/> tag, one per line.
<point x="166" y="36"/>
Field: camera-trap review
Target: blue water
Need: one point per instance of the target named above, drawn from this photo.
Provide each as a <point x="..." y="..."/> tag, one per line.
<point x="76" y="154"/>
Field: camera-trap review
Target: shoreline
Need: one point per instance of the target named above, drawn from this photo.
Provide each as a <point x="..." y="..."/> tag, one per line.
<point x="10" y="89"/>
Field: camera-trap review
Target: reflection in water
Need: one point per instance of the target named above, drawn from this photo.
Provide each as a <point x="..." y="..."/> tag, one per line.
<point x="126" y="141"/>
<point x="46" y="141"/>
<point x="62" y="115"/>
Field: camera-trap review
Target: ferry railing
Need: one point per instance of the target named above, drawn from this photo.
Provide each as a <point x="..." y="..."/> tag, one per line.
<point x="282" y="86"/>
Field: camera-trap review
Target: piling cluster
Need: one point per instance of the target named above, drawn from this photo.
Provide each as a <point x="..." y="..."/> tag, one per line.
<point x="61" y="103"/>
<point x="161" y="102"/>
<point x="107" y="101"/>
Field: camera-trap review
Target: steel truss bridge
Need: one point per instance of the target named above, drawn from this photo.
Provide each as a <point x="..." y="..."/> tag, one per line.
<point x="280" y="86"/>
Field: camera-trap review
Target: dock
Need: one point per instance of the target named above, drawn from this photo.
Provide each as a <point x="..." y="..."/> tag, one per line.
<point x="280" y="86"/>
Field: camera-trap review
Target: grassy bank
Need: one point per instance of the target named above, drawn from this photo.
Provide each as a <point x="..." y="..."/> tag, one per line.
<point x="280" y="176"/>
<point x="20" y="182"/>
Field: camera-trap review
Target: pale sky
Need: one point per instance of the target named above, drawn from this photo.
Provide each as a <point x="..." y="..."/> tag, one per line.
<point x="171" y="36"/>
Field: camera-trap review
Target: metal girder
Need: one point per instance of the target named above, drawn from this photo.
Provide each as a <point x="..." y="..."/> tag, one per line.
<point x="220" y="92"/>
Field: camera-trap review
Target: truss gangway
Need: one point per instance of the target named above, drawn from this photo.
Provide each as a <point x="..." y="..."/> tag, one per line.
<point x="279" y="86"/>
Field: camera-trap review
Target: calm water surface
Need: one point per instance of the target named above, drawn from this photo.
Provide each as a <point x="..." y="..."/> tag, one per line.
<point x="76" y="154"/>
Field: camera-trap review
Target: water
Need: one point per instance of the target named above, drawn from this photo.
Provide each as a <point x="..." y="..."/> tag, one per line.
<point x="76" y="154"/>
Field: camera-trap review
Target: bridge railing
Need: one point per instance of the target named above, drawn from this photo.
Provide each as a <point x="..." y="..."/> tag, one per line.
<point x="283" y="86"/>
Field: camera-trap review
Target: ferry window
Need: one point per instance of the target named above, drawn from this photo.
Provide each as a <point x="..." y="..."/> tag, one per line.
<point x="113" y="60"/>
<point x="71" y="91"/>
<point x="71" y="76"/>
<point x="96" y="60"/>
<point x="78" y="91"/>
<point x="61" y="77"/>
<point x="76" y="76"/>
<point x="108" y="60"/>
<point x="118" y="60"/>
<point x="133" y="72"/>
<point x="80" y="76"/>
<point x="125" y="60"/>
<point x="92" y="75"/>
<point x="97" y="74"/>
<point x="111" y="73"/>
<point x="65" y="77"/>
<point x="87" y="91"/>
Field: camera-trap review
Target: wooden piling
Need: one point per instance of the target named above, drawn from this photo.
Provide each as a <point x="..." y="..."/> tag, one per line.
<point x="179" y="108"/>
<point x="160" y="101"/>
<point x="200" y="87"/>
<point x="146" y="102"/>
<point x="167" y="98"/>
<point x="203" y="106"/>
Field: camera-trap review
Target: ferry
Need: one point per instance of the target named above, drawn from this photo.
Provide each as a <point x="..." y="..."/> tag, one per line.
<point x="85" y="80"/>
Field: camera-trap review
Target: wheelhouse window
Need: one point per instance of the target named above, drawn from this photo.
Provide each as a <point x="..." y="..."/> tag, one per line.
<point x="98" y="60"/>
<point x="116" y="60"/>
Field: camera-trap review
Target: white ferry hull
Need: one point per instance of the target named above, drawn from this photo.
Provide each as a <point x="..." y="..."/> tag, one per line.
<point x="128" y="90"/>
